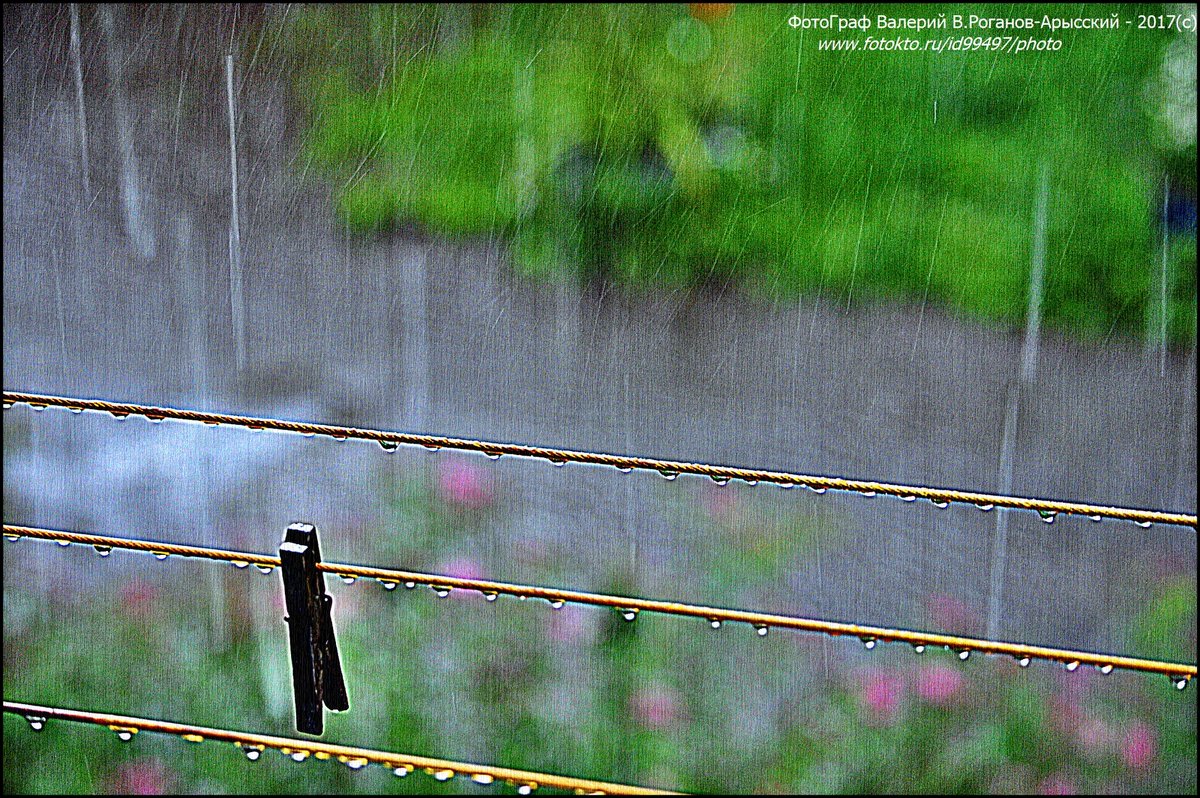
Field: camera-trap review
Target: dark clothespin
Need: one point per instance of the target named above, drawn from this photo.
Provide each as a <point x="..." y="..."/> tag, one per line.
<point x="316" y="667"/>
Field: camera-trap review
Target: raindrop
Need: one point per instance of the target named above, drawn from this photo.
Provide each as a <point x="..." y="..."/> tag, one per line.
<point x="389" y="446"/>
<point x="786" y="485"/>
<point x="409" y="585"/>
<point x="1095" y="518"/>
<point x="482" y="778"/>
<point x="309" y="434"/>
<point x="816" y="490"/>
<point x="526" y="789"/>
<point x="36" y="722"/>
<point x="964" y="654"/>
<point x="252" y="752"/>
<point x="160" y="555"/>
<point x="348" y="579"/>
<point x="38" y="407"/>
<point x="722" y="481"/>
<point x="868" y="643"/>
<point x="668" y="475"/>
<point x="908" y="498"/>
<point x="214" y="424"/>
<point x="761" y="630"/>
<point x="1073" y="666"/>
<point x="254" y="427"/>
<point x="1144" y="524"/>
<point x="7" y="405"/>
<point x="751" y="482"/>
<point x="624" y="469"/>
<point x="298" y="756"/>
<point x="75" y="409"/>
<point x="63" y="543"/>
<point x="1181" y="682"/>
<point x="715" y="623"/>
<point x="441" y="592"/>
<point x="239" y="564"/>
<point x="443" y="775"/>
<point x="919" y="648"/>
<point x="557" y="604"/>
<point x="338" y="438"/>
<point x="1105" y="669"/>
<point x="265" y="569"/>
<point x="493" y="455"/>
<point x="11" y="537"/>
<point x="629" y="614"/>
<point x="402" y="770"/>
<point x="491" y="596"/>
<point x="557" y="463"/>
<point x="870" y="494"/>
<point x="119" y="416"/>
<point x="388" y="584"/>
<point x="1024" y="662"/>
<point x="1048" y="516"/>
<point x="103" y="551"/>
<point x="155" y="418"/>
<point x="192" y="738"/>
<point x="941" y="504"/>
<point x="124" y="734"/>
<point x="357" y="763"/>
<point x="431" y="447"/>
<point x="987" y="508"/>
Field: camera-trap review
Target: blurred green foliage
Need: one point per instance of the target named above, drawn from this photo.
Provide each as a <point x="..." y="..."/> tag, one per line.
<point x="659" y="146"/>
<point x="662" y="701"/>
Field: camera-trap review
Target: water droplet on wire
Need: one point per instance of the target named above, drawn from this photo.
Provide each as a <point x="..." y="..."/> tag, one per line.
<point x="119" y="416"/>
<point x="192" y="738"/>
<point x="493" y="455"/>
<point x="941" y="504"/>
<point x="1072" y="666"/>
<point x="869" y="494"/>
<point x="38" y="406"/>
<point x="624" y="469"/>
<point x="11" y="538"/>
<point x="389" y="584"/>
<point x="1106" y="669"/>
<point x="1180" y="682"/>
<point x="816" y="490"/>
<point x="868" y="643"/>
<point x="1047" y="516"/>
<point x="124" y="734"/>
<point x="239" y="564"/>
<point x="908" y="498"/>
<point x="761" y="630"/>
<point x="441" y="592"/>
<point x="36" y="722"/>
<point x="987" y="508"/>
<point x="715" y="623"/>
<point x="919" y="648"/>
<point x="964" y="655"/>
<point x="389" y="446"/>
<point x="354" y="763"/>
<point x="557" y="463"/>
<point x="103" y="551"/>
<point x="265" y="569"/>
<point x="1024" y="662"/>
<point x="348" y="579"/>
<point x="298" y="756"/>
<point x="482" y="778"/>
<point x="402" y="770"/>
<point x="668" y="475"/>
<point x="1095" y="518"/>
<point x="63" y="543"/>
<point x="160" y="555"/>
<point x="557" y="604"/>
<point x="252" y="752"/>
<point x="443" y="775"/>
<point x="491" y="596"/>
<point x="1144" y="524"/>
<point x="526" y="789"/>
<point x="629" y="614"/>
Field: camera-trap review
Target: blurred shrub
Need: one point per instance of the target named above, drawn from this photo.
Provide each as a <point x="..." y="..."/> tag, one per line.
<point x="685" y="145"/>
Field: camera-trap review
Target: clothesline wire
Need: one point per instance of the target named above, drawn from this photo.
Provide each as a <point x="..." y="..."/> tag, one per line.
<point x="349" y="755"/>
<point x="1180" y="673"/>
<point x="1048" y="508"/>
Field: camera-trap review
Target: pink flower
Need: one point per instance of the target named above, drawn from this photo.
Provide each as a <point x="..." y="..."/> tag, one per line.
<point x="141" y="777"/>
<point x="655" y="707"/>
<point x="953" y="614"/>
<point x="719" y="503"/>
<point x="882" y="694"/>
<point x="138" y="598"/>
<point x="464" y="485"/>
<point x="1096" y="737"/>
<point x="1139" y="746"/>
<point x="569" y="624"/>
<point x="1057" y="785"/>
<point x="940" y="685"/>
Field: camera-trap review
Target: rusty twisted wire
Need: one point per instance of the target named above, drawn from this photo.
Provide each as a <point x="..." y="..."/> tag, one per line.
<point x="1178" y="672"/>
<point x="1048" y="508"/>
<point x="356" y="758"/>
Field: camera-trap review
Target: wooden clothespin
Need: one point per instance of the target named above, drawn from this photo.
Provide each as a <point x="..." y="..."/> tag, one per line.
<point x="316" y="667"/>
